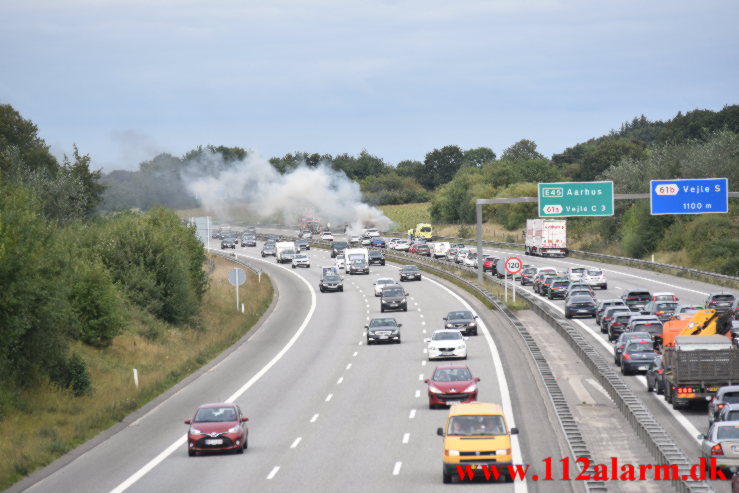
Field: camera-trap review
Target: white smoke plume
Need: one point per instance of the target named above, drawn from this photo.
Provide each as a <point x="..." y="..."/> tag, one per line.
<point x="255" y="185"/>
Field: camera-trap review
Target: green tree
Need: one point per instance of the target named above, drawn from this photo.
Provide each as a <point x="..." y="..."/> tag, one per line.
<point x="478" y="157"/>
<point x="523" y="150"/>
<point x="440" y="165"/>
<point x="392" y="189"/>
<point x="20" y="145"/>
<point x="33" y="306"/>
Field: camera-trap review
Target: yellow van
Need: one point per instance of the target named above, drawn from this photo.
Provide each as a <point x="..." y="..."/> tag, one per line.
<point x="476" y="434"/>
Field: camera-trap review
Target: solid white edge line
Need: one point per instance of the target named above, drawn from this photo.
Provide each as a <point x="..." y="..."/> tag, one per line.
<point x="505" y="393"/>
<point x="180" y="441"/>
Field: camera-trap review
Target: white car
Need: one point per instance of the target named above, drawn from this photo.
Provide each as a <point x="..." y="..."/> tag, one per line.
<point x="470" y="260"/>
<point x="595" y="277"/>
<point x="340" y="261"/>
<point x="381" y="283"/>
<point x="327" y="236"/>
<point x="575" y="274"/>
<point x="372" y="232"/>
<point x="355" y="239"/>
<point x="301" y="260"/>
<point x="461" y="255"/>
<point x="306" y="235"/>
<point x="401" y="245"/>
<point x="366" y="241"/>
<point x="446" y="344"/>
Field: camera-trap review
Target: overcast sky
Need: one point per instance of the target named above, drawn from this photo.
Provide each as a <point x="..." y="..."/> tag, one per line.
<point x="127" y="79"/>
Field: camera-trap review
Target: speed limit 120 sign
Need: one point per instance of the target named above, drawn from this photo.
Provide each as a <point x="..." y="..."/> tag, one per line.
<point x="513" y="265"/>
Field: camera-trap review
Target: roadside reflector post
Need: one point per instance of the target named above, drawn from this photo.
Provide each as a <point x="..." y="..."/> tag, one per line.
<point x="136" y="377"/>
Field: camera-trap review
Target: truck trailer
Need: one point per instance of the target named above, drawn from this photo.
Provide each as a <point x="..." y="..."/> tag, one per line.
<point x="546" y="237"/>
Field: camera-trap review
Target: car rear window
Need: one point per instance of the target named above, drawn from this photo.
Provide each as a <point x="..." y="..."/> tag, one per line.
<point x="648" y="327"/>
<point x="641" y="347"/>
<point x="729" y="432"/>
<point x="723" y="297"/>
<point x="595" y="272"/>
<point x="731" y="397"/>
<point x="667" y="306"/>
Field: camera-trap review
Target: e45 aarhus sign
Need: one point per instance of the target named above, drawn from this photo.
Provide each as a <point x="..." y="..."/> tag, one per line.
<point x="704" y="196"/>
<point x="589" y="198"/>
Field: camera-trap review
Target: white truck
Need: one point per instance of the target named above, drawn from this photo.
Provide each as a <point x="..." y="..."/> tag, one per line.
<point x="351" y="254"/>
<point x="441" y="248"/>
<point x="546" y="237"/>
<point x="285" y="251"/>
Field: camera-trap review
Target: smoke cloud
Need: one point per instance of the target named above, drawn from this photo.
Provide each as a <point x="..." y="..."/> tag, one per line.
<point x="253" y="189"/>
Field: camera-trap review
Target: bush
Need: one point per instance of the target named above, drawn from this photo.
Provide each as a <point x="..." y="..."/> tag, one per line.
<point x="94" y="300"/>
<point x="72" y="374"/>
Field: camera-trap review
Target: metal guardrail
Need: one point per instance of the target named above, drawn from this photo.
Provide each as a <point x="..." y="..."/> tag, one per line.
<point x="232" y="256"/>
<point x="593" y="255"/>
<point x="659" y="443"/>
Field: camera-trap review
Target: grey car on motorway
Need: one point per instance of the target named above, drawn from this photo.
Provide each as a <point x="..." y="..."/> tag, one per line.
<point x="722" y="444"/>
<point x="383" y="330"/>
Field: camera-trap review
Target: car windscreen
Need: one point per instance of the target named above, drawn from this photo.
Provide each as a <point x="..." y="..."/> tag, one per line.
<point x="338" y="245"/>
<point x="394" y="292"/>
<point x="447" y="336"/>
<point x="382" y="322"/>
<point x="300" y="256"/>
<point x="331" y="279"/>
<point x="640" y="347"/>
<point x="358" y="261"/>
<point x="215" y="415"/>
<point x="451" y="375"/>
<point x="731" y="397"/>
<point x="409" y="268"/>
<point x="471" y="425"/>
<point x="728" y="432"/>
<point x="459" y="315"/>
<point x="578" y="270"/>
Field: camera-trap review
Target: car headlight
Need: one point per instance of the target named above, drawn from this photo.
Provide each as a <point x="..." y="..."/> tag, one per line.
<point x="471" y="388"/>
<point x="453" y="453"/>
<point x="472" y="324"/>
<point x="461" y="346"/>
<point x="503" y="451"/>
<point x="450" y="325"/>
<point x="234" y="429"/>
<point x="435" y="390"/>
<point x="195" y="431"/>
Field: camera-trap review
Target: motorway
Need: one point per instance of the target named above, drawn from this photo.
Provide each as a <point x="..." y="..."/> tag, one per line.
<point x="327" y="412"/>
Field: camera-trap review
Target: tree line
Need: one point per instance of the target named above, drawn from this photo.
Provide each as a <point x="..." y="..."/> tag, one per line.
<point x="68" y="275"/>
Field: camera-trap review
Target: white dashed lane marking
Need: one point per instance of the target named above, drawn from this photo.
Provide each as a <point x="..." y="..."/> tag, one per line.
<point x="296" y="442"/>
<point x="273" y="472"/>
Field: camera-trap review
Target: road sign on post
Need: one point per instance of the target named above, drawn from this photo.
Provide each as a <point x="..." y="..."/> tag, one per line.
<point x="513" y="265"/>
<point x="705" y="196"/>
<point x="237" y="277"/>
<point x="589" y="198"/>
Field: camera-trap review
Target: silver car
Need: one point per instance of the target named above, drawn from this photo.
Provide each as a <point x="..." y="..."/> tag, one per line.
<point x="722" y="444"/>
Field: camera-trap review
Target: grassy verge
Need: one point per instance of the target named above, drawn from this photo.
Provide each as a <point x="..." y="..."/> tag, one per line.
<point x="49" y="423"/>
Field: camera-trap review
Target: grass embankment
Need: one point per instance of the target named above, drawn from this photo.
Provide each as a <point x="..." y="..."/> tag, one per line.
<point x="46" y="423"/>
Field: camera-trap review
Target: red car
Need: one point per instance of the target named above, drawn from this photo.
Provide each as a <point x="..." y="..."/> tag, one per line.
<point x="420" y="249"/>
<point x="451" y="384"/>
<point x="217" y="427"/>
<point x="488" y="264"/>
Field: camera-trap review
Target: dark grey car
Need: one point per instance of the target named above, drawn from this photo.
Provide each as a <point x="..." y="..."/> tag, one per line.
<point x="393" y="297"/>
<point x="383" y="330"/>
<point x="579" y="306"/>
<point x="637" y="356"/>
<point x="463" y="320"/>
<point x="664" y="310"/>
<point x="656" y="376"/>
<point x="603" y="304"/>
<point x="625" y="337"/>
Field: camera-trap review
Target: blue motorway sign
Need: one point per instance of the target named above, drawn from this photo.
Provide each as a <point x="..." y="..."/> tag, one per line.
<point x="705" y="196"/>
